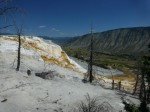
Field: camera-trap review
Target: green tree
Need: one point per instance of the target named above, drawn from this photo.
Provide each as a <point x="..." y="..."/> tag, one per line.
<point x="145" y="83"/>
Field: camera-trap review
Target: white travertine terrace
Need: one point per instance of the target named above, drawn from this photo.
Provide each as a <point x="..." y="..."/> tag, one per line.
<point x="37" y="47"/>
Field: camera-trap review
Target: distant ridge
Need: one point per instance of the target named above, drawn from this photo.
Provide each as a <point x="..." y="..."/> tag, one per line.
<point x="7" y="34"/>
<point x="57" y="40"/>
<point x="117" y="41"/>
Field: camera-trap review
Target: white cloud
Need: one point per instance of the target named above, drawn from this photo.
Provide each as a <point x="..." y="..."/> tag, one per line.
<point x="42" y="26"/>
<point x="54" y="30"/>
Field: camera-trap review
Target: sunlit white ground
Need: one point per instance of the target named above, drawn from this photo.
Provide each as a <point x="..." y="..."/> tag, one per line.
<point x="25" y="93"/>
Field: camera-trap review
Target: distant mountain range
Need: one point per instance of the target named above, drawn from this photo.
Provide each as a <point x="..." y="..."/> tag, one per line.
<point x="118" y="41"/>
<point x="58" y="40"/>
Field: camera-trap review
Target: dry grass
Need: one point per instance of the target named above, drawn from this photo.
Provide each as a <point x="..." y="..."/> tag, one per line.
<point x="127" y="81"/>
<point x="93" y="105"/>
<point x="128" y="76"/>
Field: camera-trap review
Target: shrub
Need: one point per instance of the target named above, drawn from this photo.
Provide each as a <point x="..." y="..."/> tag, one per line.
<point x="93" y="105"/>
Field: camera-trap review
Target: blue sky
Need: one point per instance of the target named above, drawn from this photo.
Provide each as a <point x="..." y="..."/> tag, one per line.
<point x="59" y="18"/>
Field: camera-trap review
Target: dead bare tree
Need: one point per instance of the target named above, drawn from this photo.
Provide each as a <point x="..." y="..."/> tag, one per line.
<point x="113" y="81"/>
<point x="6" y="9"/>
<point x="18" y="28"/>
<point x="138" y="73"/>
<point x="90" y="66"/>
<point x="19" y="31"/>
<point x="18" y="20"/>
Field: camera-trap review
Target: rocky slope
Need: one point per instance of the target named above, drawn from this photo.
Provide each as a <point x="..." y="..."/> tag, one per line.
<point x="121" y="41"/>
<point x="61" y="93"/>
<point x="38" y="55"/>
<point x="38" y="49"/>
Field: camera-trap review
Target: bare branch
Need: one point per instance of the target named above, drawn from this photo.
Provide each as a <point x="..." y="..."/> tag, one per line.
<point x="4" y="10"/>
<point x="5" y="27"/>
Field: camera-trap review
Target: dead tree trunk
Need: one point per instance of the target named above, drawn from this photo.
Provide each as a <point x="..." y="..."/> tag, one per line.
<point x="142" y="88"/>
<point x="91" y="61"/>
<point x="119" y="85"/>
<point x="19" y="32"/>
<point x="135" y="87"/>
<point x="148" y="93"/>
<point x="138" y="73"/>
<point x="19" y="49"/>
<point x="90" y="67"/>
<point x="113" y="83"/>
